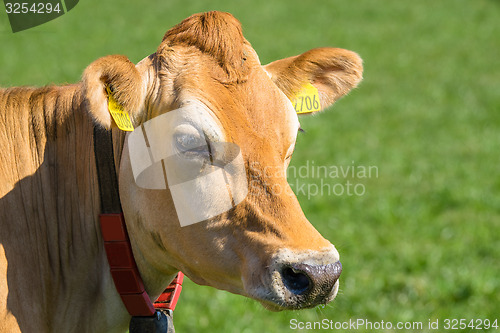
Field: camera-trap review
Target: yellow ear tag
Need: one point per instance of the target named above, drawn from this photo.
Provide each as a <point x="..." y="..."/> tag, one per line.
<point x="306" y="100"/>
<point x="120" y="116"/>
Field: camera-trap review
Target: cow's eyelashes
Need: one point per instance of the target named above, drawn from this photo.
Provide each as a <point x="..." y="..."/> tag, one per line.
<point x="187" y="142"/>
<point x="190" y="142"/>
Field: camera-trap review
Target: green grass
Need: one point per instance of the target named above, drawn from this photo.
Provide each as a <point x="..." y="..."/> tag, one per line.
<point x="423" y="241"/>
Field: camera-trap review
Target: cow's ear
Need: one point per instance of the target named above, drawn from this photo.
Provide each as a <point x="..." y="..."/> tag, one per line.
<point x="120" y="76"/>
<point x="334" y="72"/>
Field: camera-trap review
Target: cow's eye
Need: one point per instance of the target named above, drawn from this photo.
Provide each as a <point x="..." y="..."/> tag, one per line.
<point x="190" y="142"/>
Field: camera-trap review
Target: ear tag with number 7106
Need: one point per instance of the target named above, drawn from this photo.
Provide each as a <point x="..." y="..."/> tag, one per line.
<point x="306" y="100"/>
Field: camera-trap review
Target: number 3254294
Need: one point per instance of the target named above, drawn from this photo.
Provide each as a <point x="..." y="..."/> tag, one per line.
<point x="36" y="8"/>
<point x="475" y="324"/>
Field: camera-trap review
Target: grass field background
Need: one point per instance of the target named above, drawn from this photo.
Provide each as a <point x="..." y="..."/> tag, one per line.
<point x="422" y="242"/>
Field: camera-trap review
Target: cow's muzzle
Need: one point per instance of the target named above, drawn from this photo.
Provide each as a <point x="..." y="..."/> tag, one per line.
<point x="300" y="280"/>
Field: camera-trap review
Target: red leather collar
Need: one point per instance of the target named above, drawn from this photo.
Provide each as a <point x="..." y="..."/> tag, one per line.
<point x="128" y="281"/>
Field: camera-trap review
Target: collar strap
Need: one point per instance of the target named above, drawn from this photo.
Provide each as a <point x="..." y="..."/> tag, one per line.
<point x="128" y="281"/>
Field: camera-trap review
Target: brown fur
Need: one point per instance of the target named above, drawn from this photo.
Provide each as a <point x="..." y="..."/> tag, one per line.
<point x="217" y="34"/>
<point x="49" y="240"/>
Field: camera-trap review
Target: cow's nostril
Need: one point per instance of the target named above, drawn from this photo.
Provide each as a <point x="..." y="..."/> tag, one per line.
<point x="295" y="280"/>
<point x="314" y="282"/>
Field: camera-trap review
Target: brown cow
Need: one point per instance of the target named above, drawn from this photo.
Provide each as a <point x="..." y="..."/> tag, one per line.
<point x="54" y="275"/>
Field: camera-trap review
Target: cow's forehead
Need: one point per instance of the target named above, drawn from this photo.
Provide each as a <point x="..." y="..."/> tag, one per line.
<point x="250" y="111"/>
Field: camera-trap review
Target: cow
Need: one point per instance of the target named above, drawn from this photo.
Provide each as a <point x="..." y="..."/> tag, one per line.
<point x="54" y="273"/>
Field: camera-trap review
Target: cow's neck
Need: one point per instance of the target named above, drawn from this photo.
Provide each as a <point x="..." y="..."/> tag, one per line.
<point x="49" y="205"/>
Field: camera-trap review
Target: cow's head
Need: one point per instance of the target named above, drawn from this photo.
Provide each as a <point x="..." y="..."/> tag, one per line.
<point x="231" y="109"/>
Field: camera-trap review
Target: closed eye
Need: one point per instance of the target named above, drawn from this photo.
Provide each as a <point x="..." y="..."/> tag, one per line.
<point x="190" y="142"/>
